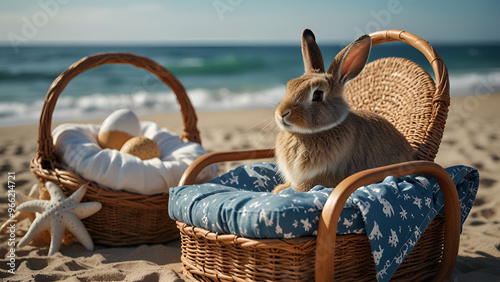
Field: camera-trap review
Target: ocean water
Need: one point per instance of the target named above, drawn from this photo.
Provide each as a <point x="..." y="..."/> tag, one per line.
<point x="216" y="78"/>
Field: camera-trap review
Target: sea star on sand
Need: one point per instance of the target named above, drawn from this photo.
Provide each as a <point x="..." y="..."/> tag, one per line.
<point x="59" y="214"/>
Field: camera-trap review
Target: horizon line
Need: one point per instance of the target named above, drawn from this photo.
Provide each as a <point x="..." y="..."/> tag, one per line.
<point x="215" y="43"/>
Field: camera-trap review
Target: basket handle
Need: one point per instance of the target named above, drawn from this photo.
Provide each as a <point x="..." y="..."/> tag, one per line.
<point x="438" y="66"/>
<point x="45" y="143"/>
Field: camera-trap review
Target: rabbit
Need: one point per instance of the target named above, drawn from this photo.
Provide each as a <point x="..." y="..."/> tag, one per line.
<point x="321" y="140"/>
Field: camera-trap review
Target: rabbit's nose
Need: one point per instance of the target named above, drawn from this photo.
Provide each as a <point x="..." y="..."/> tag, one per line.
<point x="283" y="116"/>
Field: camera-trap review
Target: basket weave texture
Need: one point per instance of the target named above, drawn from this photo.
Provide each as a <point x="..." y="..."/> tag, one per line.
<point x="402" y="92"/>
<point x="125" y="218"/>
<point x="405" y="94"/>
<point x="208" y="256"/>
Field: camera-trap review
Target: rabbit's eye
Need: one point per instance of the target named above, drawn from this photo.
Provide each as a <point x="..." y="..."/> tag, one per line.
<point x="317" y="96"/>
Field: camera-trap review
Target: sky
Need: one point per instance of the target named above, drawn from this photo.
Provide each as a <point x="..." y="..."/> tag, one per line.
<point x="29" y="22"/>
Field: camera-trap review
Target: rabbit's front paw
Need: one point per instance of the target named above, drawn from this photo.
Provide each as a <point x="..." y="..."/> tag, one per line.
<point x="280" y="187"/>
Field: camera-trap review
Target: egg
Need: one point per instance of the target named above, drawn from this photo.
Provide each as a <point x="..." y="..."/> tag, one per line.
<point x="117" y="128"/>
<point x="142" y="147"/>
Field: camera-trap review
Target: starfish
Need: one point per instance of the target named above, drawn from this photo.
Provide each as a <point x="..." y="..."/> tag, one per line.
<point x="59" y="214"/>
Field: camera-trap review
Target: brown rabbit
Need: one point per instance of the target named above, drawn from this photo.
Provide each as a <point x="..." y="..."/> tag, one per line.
<point x="322" y="141"/>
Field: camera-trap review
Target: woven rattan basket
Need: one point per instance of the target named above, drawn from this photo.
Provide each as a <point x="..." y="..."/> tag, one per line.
<point x="125" y="218"/>
<point x="216" y="257"/>
<point x="405" y="94"/>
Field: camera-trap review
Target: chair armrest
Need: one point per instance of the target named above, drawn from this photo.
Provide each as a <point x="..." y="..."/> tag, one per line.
<point x="199" y="164"/>
<point x="327" y="229"/>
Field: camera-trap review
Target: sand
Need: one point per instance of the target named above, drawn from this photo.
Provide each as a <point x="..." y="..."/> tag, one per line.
<point x="472" y="138"/>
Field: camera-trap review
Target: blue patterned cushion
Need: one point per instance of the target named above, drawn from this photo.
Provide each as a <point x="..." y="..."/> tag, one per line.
<point x="393" y="213"/>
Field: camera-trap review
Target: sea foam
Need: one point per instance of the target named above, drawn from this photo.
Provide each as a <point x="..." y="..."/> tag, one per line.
<point x="98" y="105"/>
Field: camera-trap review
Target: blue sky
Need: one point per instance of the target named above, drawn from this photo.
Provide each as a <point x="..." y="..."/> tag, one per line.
<point x="241" y="21"/>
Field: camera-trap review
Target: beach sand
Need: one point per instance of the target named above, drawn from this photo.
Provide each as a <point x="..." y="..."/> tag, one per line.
<point x="472" y="138"/>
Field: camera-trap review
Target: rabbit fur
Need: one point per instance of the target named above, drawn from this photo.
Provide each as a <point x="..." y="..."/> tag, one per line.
<point x="321" y="140"/>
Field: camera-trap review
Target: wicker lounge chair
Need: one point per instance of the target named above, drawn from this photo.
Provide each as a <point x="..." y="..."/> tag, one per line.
<point x="401" y="91"/>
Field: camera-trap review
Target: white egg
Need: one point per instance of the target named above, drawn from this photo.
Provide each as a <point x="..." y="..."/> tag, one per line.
<point x="117" y="128"/>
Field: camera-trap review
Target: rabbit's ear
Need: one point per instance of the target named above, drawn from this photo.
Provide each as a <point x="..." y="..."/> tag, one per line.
<point x="352" y="59"/>
<point x="313" y="60"/>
